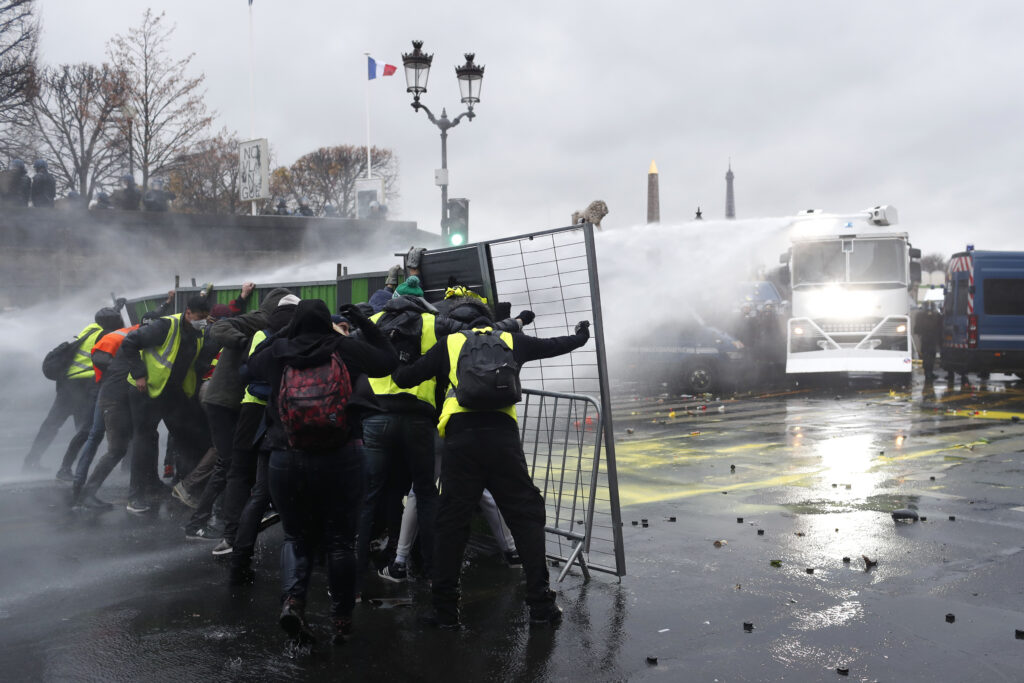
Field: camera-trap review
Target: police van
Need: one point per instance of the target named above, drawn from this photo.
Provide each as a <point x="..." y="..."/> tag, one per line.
<point x="983" y="314"/>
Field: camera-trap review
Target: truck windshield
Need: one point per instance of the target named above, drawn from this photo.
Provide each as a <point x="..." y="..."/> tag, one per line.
<point x="860" y="261"/>
<point x="877" y="261"/>
<point x="818" y="263"/>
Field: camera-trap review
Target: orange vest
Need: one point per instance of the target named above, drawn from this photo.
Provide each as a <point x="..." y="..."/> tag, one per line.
<point x="110" y="343"/>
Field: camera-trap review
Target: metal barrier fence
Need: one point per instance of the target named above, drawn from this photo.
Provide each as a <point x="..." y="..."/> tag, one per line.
<point x="565" y="418"/>
<point x="562" y="440"/>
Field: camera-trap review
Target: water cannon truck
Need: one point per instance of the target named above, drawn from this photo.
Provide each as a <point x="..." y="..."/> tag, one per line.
<point x="851" y="278"/>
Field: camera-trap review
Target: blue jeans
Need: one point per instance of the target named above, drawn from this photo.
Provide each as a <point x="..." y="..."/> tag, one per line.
<point x="399" y="449"/>
<point x="318" y="497"/>
<point x="92" y="444"/>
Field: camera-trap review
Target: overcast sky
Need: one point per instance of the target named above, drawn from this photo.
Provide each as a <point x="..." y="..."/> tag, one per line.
<point x="828" y="105"/>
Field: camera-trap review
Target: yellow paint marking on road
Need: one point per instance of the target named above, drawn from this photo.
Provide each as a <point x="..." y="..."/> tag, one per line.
<point x="634" y="495"/>
<point x="933" y="451"/>
<point x="985" y="414"/>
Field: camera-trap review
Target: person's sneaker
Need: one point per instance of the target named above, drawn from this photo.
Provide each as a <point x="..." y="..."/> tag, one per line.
<point x="294" y="623"/>
<point x="342" y="629"/>
<point x="137" y="506"/>
<point x="65" y="474"/>
<point x="546" y="615"/>
<point x="512" y="559"/>
<point x="270" y="518"/>
<point x="168" y="471"/>
<point x="241" y="576"/>
<point x="396" y="572"/>
<point x="182" y="494"/>
<point x="203" y="533"/>
<point x="222" y="548"/>
<point x="91" y="502"/>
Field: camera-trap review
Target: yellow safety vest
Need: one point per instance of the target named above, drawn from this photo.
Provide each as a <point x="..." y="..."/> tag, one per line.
<point x="159" y="361"/>
<point x="425" y="391"/>
<point x="257" y="339"/>
<point x="81" y="364"/>
<point x="451" y="404"/>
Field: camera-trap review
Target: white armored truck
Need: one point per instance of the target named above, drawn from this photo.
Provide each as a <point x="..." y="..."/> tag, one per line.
<point x="851" y="278"/>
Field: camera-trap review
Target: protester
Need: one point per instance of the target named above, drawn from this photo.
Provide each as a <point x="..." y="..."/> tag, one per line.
<point x="315" y="468"/>
<point x="165" y="358"/>
<point x="387" y="292"/>
<point x="483" y="450"/>
<point x="76" y="388"/>
<point x="44" y="187"/>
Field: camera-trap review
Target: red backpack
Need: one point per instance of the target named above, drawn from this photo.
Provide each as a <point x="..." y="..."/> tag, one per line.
<point x="311" y="403"/>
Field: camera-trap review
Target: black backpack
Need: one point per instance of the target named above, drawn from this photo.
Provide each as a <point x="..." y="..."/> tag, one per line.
<point x="59" y="358"/>
<point x="487" y="373"/>
<point x="403" y="329"/>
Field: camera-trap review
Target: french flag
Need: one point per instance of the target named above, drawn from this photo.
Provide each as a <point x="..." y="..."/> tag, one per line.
<point x="377" y="69"/>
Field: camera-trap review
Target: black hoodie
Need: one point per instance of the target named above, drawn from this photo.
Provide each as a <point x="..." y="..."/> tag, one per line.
<point x="308" y="341"/>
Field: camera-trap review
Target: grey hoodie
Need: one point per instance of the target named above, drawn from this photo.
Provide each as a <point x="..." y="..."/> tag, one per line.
<point x="234" y="334"/>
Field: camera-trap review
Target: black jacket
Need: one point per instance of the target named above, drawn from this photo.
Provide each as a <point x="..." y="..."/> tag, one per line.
<point x="234" y="335"/>
<point x="151" y="335"/>
<point x="435" y="363"/>
<point x="308" y="341"/>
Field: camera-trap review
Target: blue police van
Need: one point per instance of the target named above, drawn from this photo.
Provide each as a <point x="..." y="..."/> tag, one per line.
<point x="983" y="313"/>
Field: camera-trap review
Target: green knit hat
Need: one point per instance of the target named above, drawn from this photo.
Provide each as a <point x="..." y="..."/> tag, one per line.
<point x="410" y="286"/>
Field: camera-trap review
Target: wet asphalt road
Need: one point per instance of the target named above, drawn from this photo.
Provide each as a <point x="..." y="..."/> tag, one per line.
<point x="112" y="596"/>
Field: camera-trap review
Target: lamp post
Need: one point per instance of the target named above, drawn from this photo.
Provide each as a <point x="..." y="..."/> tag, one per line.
<point x="470" y="75"/>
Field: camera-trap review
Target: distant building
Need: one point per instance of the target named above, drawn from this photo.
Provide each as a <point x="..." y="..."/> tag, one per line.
<point x="730" y="199"/>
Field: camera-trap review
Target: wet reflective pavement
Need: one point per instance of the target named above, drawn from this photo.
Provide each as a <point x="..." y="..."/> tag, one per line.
<point x="112" y="596"/>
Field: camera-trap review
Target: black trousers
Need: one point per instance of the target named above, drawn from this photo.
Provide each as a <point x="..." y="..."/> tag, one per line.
<point x="244" y="542"/>
<point x="489" y="457"/>
<point x="74" y="399"/>
<point x="241" y="473"/>
<point x="181" y="415"/>
<point x="222" y="423"/>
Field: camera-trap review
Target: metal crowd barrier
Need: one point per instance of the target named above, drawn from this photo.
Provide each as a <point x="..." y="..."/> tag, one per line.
<point x="562" y="440"/>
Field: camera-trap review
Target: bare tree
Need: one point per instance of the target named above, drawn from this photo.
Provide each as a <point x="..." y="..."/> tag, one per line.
<point x="206" y="180"/>
<point x="168" y="111"/>
<point x="328" y="176"/>
<point x="933" y="262"/>
<point x="19" y="41"/>
<point x="76" y="117"/>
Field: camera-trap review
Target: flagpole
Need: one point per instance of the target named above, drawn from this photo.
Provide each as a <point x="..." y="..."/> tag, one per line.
<point x="369" y="162"/>
<point x="252" y="90"/>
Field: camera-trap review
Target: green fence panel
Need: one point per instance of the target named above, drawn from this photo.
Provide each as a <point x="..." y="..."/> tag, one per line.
<point x="327" y="292"/>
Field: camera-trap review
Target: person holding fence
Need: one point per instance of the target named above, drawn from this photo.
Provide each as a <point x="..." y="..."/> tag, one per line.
<point x="483" y="450"/>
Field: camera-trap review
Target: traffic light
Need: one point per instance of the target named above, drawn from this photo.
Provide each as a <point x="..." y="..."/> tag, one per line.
<point x="458" y="222"/>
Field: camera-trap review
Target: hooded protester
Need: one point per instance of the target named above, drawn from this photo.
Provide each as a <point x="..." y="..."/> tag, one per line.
<point x="222" y="402"/>
<point x="399" y="441"/>
<point x="483" y="450"/>
<point x="315" y="462"/>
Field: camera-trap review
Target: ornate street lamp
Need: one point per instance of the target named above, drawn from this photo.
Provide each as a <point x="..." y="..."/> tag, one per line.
<point x="470" y="75"/>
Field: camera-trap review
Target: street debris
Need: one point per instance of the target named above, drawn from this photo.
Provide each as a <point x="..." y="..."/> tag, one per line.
<point x="950" y="618"/>
<point x="719" y="544"/>
<point x="776" y="563"/>
<point x="905" y="515"/>
<point x="868" y="562"/>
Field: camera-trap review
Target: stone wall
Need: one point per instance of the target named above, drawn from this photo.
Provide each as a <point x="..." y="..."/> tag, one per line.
<point x="47" y="254"/>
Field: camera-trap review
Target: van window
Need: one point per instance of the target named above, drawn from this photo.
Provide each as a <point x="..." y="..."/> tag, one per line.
<point x="1004" y="296"/>
<point x="960" y="305"/>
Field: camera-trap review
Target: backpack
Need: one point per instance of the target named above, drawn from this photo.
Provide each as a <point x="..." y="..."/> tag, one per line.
<point x="311" y="403"/>
<point x="403" y="330"/>
<point x="56" y="362"/>
<point x="487" y="374"/>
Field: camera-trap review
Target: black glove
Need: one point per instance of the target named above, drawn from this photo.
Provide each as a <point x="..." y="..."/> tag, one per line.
<point x="583" y="329"/>
<point x="527" y="317"/>
<point x="354" y="315"/>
